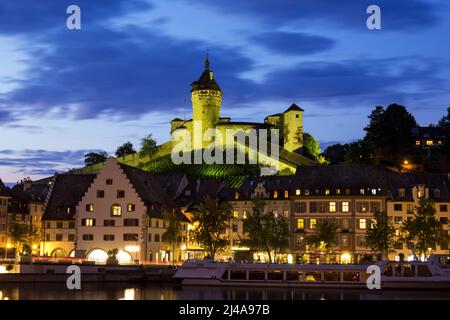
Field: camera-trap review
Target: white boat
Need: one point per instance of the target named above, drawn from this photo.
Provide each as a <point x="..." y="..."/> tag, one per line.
<point x="433" y="274"/>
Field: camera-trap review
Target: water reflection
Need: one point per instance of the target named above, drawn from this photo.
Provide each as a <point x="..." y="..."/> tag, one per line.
<point x="114" y="291"/>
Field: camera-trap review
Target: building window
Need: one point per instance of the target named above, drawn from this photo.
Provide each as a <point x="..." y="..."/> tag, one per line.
<point x="120" y="194"/>
<point x="362" y="223"/>
<point x="374" y="192"/>
<point x="398" y="220"/>
<point x="361" y="241"/>
<point x="338" y="191"/>
<point x="235" y="214"/>
<point x="443" y="220"/>
<point x="47" y="237"/>
<point x="90" y="207"/>
<point x="100" y="193"/>
<point x="275" y="194"/>
<point x="306" y="192"/>
<point x="234" y="227"/>
<point x="48" y="225"/>
<point x="88" y="237"/>
<point x="108" y="237"/>
<point x="300" y="224"/>
<point x="109" y="223"/>
<point x="297" y="192"/>
<point x="332" y="207"/>
<point x="131" y="222"/>
<point x="417" y="142"/>
<point x="109" y="181"/>
<point x="344" y="241"/>
<point x="401" y="192"/>
<point x="71" y="237"/>
<point x="245" y="215"/>
<point x="347" y="191"/>
<point x="88" y="222"/>
<point x="236" y="196"/>
<point x="59" y="225"/>
<point x="443" y="208"/>
<point x="286" y="193"/>
<point x="131" y="207"/>
<point x="327" y="192"/>
<point x="398" y="207"/>
<point x="362" y="206"/>
<point x="116" y="210"/>
<point x="149" y="237"/>
<point x="312" y="223"/>
<point x="345" y="206"/>
<point x="361" y="191"/>
<point x="429" y="142"/>
<point x="59" y="237"/>
<point x="71" y="225"/>
<point x="286" y="213"/>
<point x="130" y="237"/>
<point x="157" y="237"/>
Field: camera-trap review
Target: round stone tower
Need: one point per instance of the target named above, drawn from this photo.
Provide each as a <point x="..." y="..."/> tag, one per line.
<point x="206" y="103"/>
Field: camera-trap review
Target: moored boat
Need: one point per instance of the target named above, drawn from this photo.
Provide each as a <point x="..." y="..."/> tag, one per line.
<point x="435" y="274"/>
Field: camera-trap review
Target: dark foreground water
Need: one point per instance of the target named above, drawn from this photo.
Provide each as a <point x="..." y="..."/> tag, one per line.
<point x="114" y="291"/>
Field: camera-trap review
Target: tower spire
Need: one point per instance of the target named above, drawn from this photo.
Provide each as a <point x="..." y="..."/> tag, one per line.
<point x="207" y="60"/>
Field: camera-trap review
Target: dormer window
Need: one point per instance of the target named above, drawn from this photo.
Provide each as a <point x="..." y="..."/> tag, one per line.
<point x="327" y="192"/>
<point x="306" y="192"/>
<point x="338" y="191"/>
<point x="275" y="194"/>
<point x="286" y="193"/>
<point x="374" y="192"/>
<point x="401" y="192"/>
<point x="297" y="192"/>
<point x="236" y="196"/>
<point x="437" y="193"/>
<point x="361" y="191"/>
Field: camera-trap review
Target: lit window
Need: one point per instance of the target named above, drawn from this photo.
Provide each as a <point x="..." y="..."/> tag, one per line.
<point x="286" y="194"/>
<point x="275" y="213"/>
<point x="327" y="192"/>
<point x="306" y="192"/>
<point x="362" y="223"/>
<point x="300" y="224"/>
<point x="397" y="232"/>
<point x="362" y="207"/>
<point x="236" y="196"/>
<point x="439" y="142"/>
<point x="417" y="142"/>
<point x="235" y="214"/>
<point x="361" y="191"/>
<point x="345" y="206"/>
<point x="286" y="213"/>
<point x="374" y="192"/>
<point x="312" y="223"/>
<point x="88" y="222"/>
<point x="332" y="206"/>
<point x="373" y="223"/>
<point x="297" y="192"/>
<point x="338" y="191"/>
<point x="244" y="215"/>
<point x="116" y="210"/>
<point x="90" y="207"/>
<point x="429" y="142"/>
<point x="131" y="207"/>
<point x="275" y="194"/>
<point x="398" y="220"/>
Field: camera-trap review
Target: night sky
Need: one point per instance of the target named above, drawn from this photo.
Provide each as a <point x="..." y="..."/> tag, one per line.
<point x="128" y="71"/>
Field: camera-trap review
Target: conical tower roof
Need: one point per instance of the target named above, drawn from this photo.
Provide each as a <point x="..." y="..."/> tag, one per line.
<point x="206" y="80"/>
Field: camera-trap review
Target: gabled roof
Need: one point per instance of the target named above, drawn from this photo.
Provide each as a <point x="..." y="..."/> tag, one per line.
<point x="293" y="107"/>
<point x="65" y="193"/>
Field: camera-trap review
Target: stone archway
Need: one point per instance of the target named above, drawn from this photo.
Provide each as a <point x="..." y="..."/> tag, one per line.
<point x="59" y="253"/>
<point x="97" y="255"/>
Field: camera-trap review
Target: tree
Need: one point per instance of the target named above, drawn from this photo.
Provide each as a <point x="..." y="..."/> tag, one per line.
<point x="148" y="146"/>
<point x="92" y="158"/>
<point x="125" y="149"/>
<point x="172" y="234"/>
<point x="424" y="232"/>
<point x="380" y="235"/>
<point x="324" y="237"/>
<point x="211" y="221"/>
<point x="389" y="133"/>
<point x="18" y="233"/>
<point x="444" y="122"/>
<point x="335" y="153"/>
<point x="310" y="146"/>
<point x="265" y="231"/>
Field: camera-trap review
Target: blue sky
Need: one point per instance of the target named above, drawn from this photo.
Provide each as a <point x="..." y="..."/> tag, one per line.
<point x="127" y="72"/>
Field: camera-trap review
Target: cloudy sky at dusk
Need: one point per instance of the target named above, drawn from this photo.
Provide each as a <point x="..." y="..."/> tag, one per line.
<point x="127" y="72"/>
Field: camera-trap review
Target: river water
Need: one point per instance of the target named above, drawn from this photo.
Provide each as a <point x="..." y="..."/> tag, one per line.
<point x="151" y="291"/>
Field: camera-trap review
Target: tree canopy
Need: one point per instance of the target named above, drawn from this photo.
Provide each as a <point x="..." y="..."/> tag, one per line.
<point x="125" y="149"/>
<point x="148" y="146"/>
<point x="92" y="158"/>
<point x="380" y="234"/>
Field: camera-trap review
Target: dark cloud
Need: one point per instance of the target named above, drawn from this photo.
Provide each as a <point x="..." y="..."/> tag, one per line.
<point x="37" y="17"/>
<point x="41" y="162"/>
<point x="396" y="15"/>
<point x="293" y="43"/>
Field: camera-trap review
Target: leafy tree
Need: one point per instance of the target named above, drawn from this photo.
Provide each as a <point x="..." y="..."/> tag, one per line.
<point x="211" y="221"/>
<point x="125" y="149"/>
<point x="265" y="231"/>
<point x="389" y="133"/>
<point x="310" y="146"/>
<point x="324" y="236"/>
<point x="444" y="122"/>
<point x="148" y="146"/>
<point x="18" y="233"/>
<point x="172" y="234"/>
<point x="380" y="235"/>
<point x="92" y="158"/>
<point x="335" y="153"/>
<point x="424" y="232"/>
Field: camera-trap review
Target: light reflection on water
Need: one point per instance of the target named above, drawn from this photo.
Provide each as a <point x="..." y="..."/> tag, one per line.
<point x="150" y="291"/>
